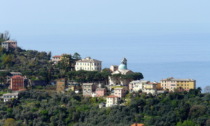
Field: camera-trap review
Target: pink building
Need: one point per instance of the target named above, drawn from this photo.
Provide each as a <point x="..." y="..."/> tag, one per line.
<point x="100" y="92"/>
<point x="120" y="92"/>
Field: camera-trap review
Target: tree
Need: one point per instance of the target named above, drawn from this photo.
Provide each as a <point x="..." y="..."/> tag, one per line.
<point x="4" y="36"/>
<point x="9" y="122"/>
<point x="207" y="89"/>
<point x="76" y="56"/>
<point x="3" y="75"/>
<point x="186" y="123"/>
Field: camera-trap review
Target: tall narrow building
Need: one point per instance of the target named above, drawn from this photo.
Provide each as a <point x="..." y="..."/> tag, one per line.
<point x="17" y="83"/>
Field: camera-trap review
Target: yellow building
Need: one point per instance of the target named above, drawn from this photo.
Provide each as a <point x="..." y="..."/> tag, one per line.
<point x="171" y="84"/>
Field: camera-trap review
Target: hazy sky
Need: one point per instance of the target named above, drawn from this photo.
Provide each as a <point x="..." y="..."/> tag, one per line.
<point x="141" y="30"/>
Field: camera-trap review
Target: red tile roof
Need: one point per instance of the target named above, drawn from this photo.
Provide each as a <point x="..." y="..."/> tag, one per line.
<point x="57" y="56"/>
<point x="137" y="124"/>
<point x="112" y="96"/>
<point x="17" y="76"/>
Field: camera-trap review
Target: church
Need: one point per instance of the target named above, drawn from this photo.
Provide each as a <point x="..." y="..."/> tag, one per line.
<point x="118" y="76"/>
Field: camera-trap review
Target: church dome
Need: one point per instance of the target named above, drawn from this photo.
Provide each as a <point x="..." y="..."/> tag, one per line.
<point x="122" y="67"/>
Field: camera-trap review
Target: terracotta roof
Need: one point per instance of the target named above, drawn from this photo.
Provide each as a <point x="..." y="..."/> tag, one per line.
<point x="112" y="96"/>
<point x="137" y="124"/>
<point x="56" y="56"/>
<point x="17" y="76"/>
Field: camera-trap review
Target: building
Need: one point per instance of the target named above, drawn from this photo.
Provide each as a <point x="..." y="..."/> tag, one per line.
<point x="159" y="87"/>
<point x="61" y="85"/>
<point x="144" y="86"/>
<point x="88" y="64"/>
<point x="17" y="83"/>
<point x="116" y="79"/>
<point x="7" y="97"/>
<point x="150" y="88"/>
<point x="56" y="59"/>
<point x="73" y="87"/>
<point x="172" y="84"/>
<point x="135" y="86"/>
<point x="100" y="92"/>
<point x="113" y="68"/>
<point x="9" y="44"/>
<point x="112" y="101"/>
<point x="12" y="74"/>
<point x="120" y="92"/>
<point x="88" y="89"/>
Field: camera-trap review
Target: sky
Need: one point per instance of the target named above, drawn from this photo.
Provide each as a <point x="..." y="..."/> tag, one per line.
<point x="143" y="31"/>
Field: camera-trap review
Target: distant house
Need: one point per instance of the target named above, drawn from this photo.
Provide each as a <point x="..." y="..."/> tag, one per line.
<point x="120" y="92"/>
<point x="100" y="92"/>
<point x="113" y="68"/>
<point x="56" y="59"/>
<point x="61" y="85"/>
<point x="88" y="89"/>
<point x="150" y="88"/>
<point x="73" y="87"/>
<point x="172" y="84"/>
<point x="144" y="86"/>
<point x="88" y="64"/>
<point x="12" y="74"/>
<point x="112" y="101"/>
<point x="135" y="86"/>
<point x="9" y="44"/>
<point x="17" y="83"/>
<point x="9" y="96"/>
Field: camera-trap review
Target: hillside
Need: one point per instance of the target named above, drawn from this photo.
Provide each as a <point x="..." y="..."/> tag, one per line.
<point x="50" y="109"/>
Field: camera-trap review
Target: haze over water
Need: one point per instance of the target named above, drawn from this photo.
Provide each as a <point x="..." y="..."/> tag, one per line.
<point x="159" y="38"/>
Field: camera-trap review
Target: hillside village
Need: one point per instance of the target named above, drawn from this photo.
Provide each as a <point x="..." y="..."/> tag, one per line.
<point x="39" y="89"/>
<point x="114" y="86"/>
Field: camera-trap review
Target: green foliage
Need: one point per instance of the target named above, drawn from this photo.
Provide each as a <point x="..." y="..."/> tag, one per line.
<point x="186" y="123"/>
<point x="88" y="76"/>
<point x="132" y="76"/>
<point x="43" y="108"/>
<point x="9" y="122"/>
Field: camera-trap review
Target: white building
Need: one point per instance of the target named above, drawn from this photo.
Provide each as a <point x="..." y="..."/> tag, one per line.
<point x="115" y="78"/>
<point x="9" y="44"/>
<point x="135" y="86"/>
<point x="88" y="64"/>
<point x="144" y="86"/>
<point x="9" y="96"/>
<point x="112" y="101"/>
<point x="150" y="88"/>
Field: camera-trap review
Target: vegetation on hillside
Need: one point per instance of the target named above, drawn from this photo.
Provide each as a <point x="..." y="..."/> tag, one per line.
<point x="37" y="108"/>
